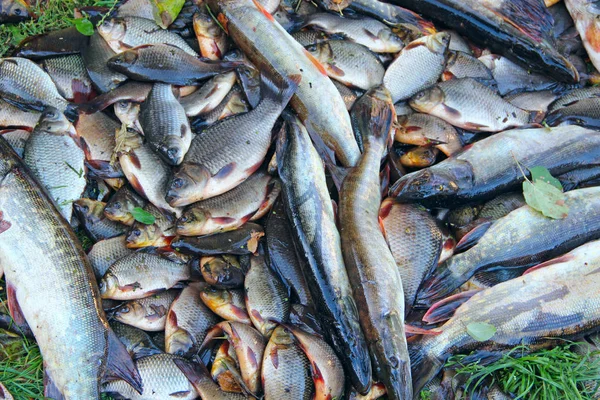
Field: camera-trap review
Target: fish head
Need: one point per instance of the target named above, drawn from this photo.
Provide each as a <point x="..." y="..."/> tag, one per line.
<point x="179" y="343"/>
<point x="205" y="26"/>
<point x="282" y="337"/>
<point x="123" y="61"/>
<point x="142" y="235"/>
<point x="108" y="285"/>
<point x="173" y="149"/>
<point x="112" y="29"/>
<point x="89" y="209"/>
<point x="222" y="271"/>
<point x="117" y="211"/>
<point x="130" y="312"/>
<point x="192" y="221"/>
<point x="53" y="121"/>
<point x="127" y="111"/>
<point x="394" y="41"/>
<point x="186" y="185"/>
<point x="13" y="10"/>
<point x="438" y="43"/>
<point x="428" y="99"/>
<point x="215" y="298"/>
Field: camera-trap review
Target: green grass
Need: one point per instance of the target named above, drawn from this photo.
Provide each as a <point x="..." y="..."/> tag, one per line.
<point x="563" y="372"/>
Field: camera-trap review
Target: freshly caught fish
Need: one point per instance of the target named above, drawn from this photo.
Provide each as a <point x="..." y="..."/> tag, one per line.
<point x="463" y="65"/>
<point x="416" y="241"/>
<point x="426" y="130"/>
<point x="377" y="390"/>
<point x="54" y="43"/>
<point x="48" y="271"/>
<point x="149" y="313"/>
<point x="70" y="77"/>
<point x="141" y="274"/>
<point x="267" y="300"/>
<point x="130" y="91"/>
<point x="209" y="96"/>
<point x="212" y="40"/>
<point x="138" y="343"/>
<point x="585" y="112"/>
<point x="124" y="33"/>
<point x="233" y="103"/>
<point x="395" y="16"/>
<point x="165" y="125"/>
<point x="309" y="206"/>
<point x="200" y="378"/>
<point x="419" y="157"/>
<point x="222" y="272"/>
<point x="240" y="241"/>
<point x="247" y="75"/>
<point x="426" y="55"/>
<point x="520" y="30"/>
<point x="468" y="176"/>
<point x="468" y="104"/>
<point x="97" y="137"/>
<point x="97" y="226"/>
<point x="227" y="304"/>
<point x="121" y="204"/>
<point x="375" y="278"/>
<point x="227" y="153"/>
<point x="527" y="237"/>
<point x="326" y="367"/>
<point x="249" y="346"/>
<point x="136" y="8"/>
<point x="145" y="171"/>
<point x="24" y="83"/>
<point x="249" y="201"/>
<point x="283" y="256"/>
<point x="574" y="96"/>
<point x="585" y="15"/>
<point x="511" y="77"/>
<point x="349" y="63"/>
<point x="187" y="322"/>
<point x="162" y="380"/>
<point x="551" y="304"/>
<point x="458" y="43"/>
<point x="167" y="64"/>
<point x="532" y="101"/>
<point x="579" y="177"/>
<point x="309" y="37"/>
<point x="316" y="101"/>
<point x="53" y="154"/>
<point x="158" y="234"/>
<point x="366" y="31"/>
<point x="106" y="252"/>
<point x="13" y="11"/>
<point x="224" y="362"/>
<point x="348" y="95"/>
<point x="16" y="138"/>
<point x="285" y="368"/>
<point x="11" y="116"/>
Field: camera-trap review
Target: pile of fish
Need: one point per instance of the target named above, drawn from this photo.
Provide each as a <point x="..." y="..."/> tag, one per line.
<point x="298" y="200"/>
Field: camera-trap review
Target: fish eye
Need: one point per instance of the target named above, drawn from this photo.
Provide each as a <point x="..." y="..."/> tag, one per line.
<point x="117" y="205"/>
<point x="183" y="219"/>
<point x="101" y="285"/>
<point x="178" y="183"/>
<point x="18" y="11"/>
<point x="137" y="232"/>
<point x="124" y="310"/>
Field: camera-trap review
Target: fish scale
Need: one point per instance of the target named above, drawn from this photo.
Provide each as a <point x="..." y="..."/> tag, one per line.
<point x="69" y="75"/>
<point x="105" y="252"/>
<point x="149" y="313"/>
<point x="12" y="116"/>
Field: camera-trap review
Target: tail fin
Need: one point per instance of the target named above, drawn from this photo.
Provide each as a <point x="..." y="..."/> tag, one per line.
<point x="438" y="285"/>
<point x="424" y="367"/>
<point x="120" y="365"/>
<point x="194" y="372"/>
<point x="277" y="92"/>
<point x="373" y="114"/>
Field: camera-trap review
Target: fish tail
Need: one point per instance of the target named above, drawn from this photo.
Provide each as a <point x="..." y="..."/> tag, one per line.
<point x="279" y="93"/>
<point x="438" y="285"/>
<point x="424" y="367"/>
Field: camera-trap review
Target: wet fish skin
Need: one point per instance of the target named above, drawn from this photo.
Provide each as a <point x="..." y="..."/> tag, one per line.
<point x="148" y="313"/>
<point x="226" y="303"/>
<point x="16" y="138"/>
<point x="232" y="242"/>
<point x="372" y="270"/>
<point x="167" y="64"/>
<point x="532" y="101"/>
<point x="48" y="271"/>
<point x="131" y="91"/>
<point x="285" y="368"/>
<point x="550" y="304"/>
<point x="426" y="130"/>
<point x="166" y="127"/>
<point x="585" y="112"/>
<point x="26" y="84"/>
<point x="91" y="215"/>
<point x="211" y="38"/>
<point x="234" y="103"/>
<point x="187" y="322"/>
<point x="427" y="55"/>
<point x="139" y="275"/>
<point x="70" y="77"/>
<point x="136" y="8"/>
<point x="162" y="380"/>
<point x="227" y="153"/>
<point x="224" y="361"/>
<point x="419" y="157"/>
<point x="138" y="343"/>
<point x="262" y="39"/>
<point x="200" y="378"/>
<point x="53" y="154"/>
<point x="585" y="16"/>
<point x="309" y="207"/>
<point x="11" y="116"/>
<point x="121" y="204"/>
<point x="464" y="65"/>
<point x="395" y="16"/>
<point x="105" y="252"/>
<point x="209" y="96"/>
<point x="348" y="95"/>
<point x="524" y="249"/>
<point x="456" y="100"/>
<point x="54" y="43"/>
<point x="467" y="177"/>
<point x="348" y="62"/>
<point x="124" y="33"/>
<point x="267" y="300"/>
<point x="97" y="139"/>
<point x="249" y="201"/>
<point x="222" y="272"/>
<point x="158" y="234"/>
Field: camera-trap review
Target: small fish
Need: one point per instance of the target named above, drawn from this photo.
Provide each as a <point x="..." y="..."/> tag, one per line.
<point x="158" y="234"/>
<point x="419" y="157"/>
<point x="141" y="274"/>
<point x="138" y="343"/>
<point x="149" y="313"/>
<point x="97" y="226"/>
<point x="224" y="362"/>
<point x="121" y="204"/>
<point x="129" y="91"/>
<point x="426" y="55"/>
<point x="222" y="272"/>
<point x="248" y="76"/>
<point x="212" y="40"/>
<point x="226" y="303"/>
<point x="70" y="77"/>
<point x="106" y="252"/>
<point x="200" y="378"/>
<point x="397" y="17"/>
<point x="97" y="137"/>
<point x="426" y="130"/>
<point x="240" y="241"/>
<point x="463" y="65"/>
<point x="209" y="96"/>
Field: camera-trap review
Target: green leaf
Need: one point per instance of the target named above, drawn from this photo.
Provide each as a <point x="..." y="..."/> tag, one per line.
<point x="542" y="174"/>
<point x="165" y="11"/>
<point x="143" y="216"/>
<point x="545" y="198"/>
<point x="481" y="331"/>
<point x="84" y="26"/>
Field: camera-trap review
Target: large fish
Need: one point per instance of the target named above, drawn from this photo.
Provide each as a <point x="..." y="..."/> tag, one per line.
<point x="309" y="205"/>
<point x="272" y="49"/>
<point x="540" y="309"/>
<point x="375" y="278"/>
<point x="519" y="29"/>
<point x="469" y="176"/>
<point x="527" y="238"/>
<point x="48" y="271"/>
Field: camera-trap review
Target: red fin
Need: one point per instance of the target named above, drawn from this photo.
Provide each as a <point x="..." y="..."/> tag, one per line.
<point x="239" y="312"/>
<point x="386" y="208"/>
<point x="13" y="306"/>
<point x="225" y="171"/>
<point x="315" y="62"/>
<point x="172" y="318"/>
<point x="336" y="70"/>
<point x="474" y="126"/>
<point x="452" y="111"/>
<point x="252" y="357"/>
<point x="557" y="260"/>
<point x="82" y="92"/>
<point x="420" y="331"/>
<point x="224" y="220"/>
<point x="447" y="75"/>
<point x="444" y="309"/>
<point x="262" y="10"/>
<point x="137" y="186"/>
<point x="411" y="45"/>
<point x="257" y="315"/>
<point x="274" y="357"/>
<point x="4" y="224"/>
<point x="50" y="389"/>
<point x="410" y="129"/>
<point x="119" y="363"/>
<point x="130" y="287"/>
<point x="382" y="227"/>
